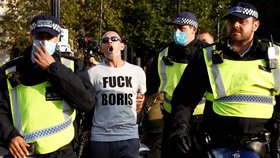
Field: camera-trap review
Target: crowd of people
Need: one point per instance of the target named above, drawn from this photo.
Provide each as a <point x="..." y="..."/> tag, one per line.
<point x="197" y="98"/>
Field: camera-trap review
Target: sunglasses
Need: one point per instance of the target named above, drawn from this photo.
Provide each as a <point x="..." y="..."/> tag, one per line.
<point x="113" y="39"/>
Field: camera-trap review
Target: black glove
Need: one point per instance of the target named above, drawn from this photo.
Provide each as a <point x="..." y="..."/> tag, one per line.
<point x="181" y="138"/>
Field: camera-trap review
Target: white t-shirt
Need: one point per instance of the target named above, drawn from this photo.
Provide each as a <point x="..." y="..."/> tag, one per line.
<point x="116" y="89"/>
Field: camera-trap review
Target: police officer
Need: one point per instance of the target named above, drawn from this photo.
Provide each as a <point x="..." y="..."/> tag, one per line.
<point x="38" y="96"/>
<point x="241" y="77"/>
<point x="166" y="69"/>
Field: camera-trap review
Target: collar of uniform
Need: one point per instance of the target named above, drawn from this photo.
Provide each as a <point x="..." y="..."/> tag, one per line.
<point x="243" y="53"/>
<point x="182" y="54"/>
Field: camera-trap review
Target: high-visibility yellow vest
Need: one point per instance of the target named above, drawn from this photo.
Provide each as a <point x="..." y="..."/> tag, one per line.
<point x="200" y="107"/>
<point x="242" y="88"/>
<point x="47" y="124"/>
<point x="169" y="78"/>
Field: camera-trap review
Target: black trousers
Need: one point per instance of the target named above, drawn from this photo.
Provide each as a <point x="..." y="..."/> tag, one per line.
<point x="117" y="149"/>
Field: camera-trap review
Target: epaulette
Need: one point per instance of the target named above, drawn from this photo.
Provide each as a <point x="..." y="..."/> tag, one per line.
<point x="217" y="53"/>
<point x="217" y="44"/>
<point x="267" y="41"/>
<point x="13" y="77"/>
<point x="165" y="46"/>
<point x="69" y="57"/>
<point x="263" y="40"/>
<point x="209" y="45"/>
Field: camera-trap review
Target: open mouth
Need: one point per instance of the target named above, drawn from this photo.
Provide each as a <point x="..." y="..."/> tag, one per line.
<point x="110" y="49"/>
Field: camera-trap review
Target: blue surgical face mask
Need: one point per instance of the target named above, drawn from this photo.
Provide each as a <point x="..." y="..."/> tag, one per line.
<point x="50" y="46"/>
<point x="180" y="38"/>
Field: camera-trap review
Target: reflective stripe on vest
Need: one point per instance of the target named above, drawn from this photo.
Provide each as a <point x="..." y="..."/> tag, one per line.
<point x="219" y="86"/>
<point x="243" y="98"/>
<point x="242" y="91"/>
<point x="38" y="131"/>
<point x="162" y="70"/>
<point x="169" y="78"/>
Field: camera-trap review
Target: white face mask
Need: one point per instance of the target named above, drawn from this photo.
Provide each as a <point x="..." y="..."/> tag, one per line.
<point x="50" y="46"/>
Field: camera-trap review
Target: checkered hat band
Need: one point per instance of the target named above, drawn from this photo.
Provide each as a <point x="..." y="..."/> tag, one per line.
<point x="245" y="11"/>
<point x="48" y="131"/>
<point x="186" y="21"/>
<point x="45" y="24"/>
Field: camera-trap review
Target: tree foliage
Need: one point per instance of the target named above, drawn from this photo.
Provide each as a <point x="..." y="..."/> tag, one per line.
<point x="141" y="22"/>
<point x="14" y="26"/>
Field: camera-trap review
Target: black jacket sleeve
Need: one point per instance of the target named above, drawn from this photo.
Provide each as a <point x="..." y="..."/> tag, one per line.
<point x="75" y="87"/>
<point x="189" y="90"/>
<point x="7" y="130"/>
<point x="153" y="81"/>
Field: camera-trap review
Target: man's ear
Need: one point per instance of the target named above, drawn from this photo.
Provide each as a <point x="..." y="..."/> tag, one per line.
<point x="256" y="25"/>
<point x="122" y="46"/>
<point x="195" y="29"/>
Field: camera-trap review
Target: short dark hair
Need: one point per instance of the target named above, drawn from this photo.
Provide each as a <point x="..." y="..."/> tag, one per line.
<point x="210" y="33"/>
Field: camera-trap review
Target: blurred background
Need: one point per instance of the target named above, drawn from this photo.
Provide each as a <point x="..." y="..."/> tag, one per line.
<point x="140" y="22"/>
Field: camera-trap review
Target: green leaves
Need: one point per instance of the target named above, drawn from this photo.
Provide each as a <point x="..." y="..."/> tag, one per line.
<point x="139" y="21"/>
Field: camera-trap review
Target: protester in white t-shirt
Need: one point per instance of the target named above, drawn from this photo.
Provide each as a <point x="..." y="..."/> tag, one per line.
<point x="119" y="88"/>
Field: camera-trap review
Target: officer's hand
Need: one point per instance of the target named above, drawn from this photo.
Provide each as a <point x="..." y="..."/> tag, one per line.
<point x="18" y="147"/>
<point x="42" y="57"/>
<point x="181" y="138"/>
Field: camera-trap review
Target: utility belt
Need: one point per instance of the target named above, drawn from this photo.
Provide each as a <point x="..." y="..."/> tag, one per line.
<point x="258" y="143"/>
